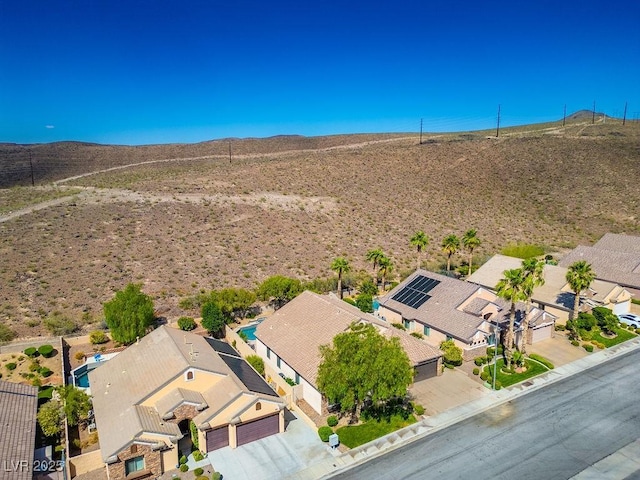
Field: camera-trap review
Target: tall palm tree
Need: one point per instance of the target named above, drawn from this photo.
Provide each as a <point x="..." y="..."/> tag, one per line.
<point x="374" y="257"/>
<point x="579" y="277"/>
<point x="386" y="267"/>
<point x="450" y="245"/>
<point x="340" y="265"/>
<point x="533" y="270"/>
<point x="471" y="241"/>
<point x="510" y="288"/>
<point x="419" y="240"/>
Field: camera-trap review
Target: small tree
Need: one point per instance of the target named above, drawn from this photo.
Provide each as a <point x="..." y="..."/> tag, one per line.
<point x="129" y="314"/>
<point x="213" y="319"/>
<point x="452" y="353"/>
<point x="279" y="290"/>
<point x="362" y="365"/>
<point x="471" y="241"/>
<point x="340" y="265"/>
<point x="367" y="287"/>
<point x="364" y="302"/>
<point x="257" y="363"/>
<point x="420" y="240"/>
<point x="98" y="337"/>
<point x="75" y="404"/>
<point x="450" y="245"/>
<point x="607" y="320"/>
<point x="187" y="324"/>
<point x="234" y="302"/>
<point x="50" y="418"/>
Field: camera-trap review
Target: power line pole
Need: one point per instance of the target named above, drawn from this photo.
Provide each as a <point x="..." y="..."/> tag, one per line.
<point x="624" y="115"/>
<point x="564" y="114"/>
<point x="593" y="113"/>
<point x="33" y="183"/>
<point x="420" y="131"/>
<point x="498" y="126"/>
<point x="229" y="152"/>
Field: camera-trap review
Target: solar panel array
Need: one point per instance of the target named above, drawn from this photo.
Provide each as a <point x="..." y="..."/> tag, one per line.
<point x="415" y="293"/>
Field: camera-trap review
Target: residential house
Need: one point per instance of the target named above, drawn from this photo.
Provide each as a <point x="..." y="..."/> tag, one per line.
<point x="614" y="258"/>
<point x="289" y="341"/>
<point x="444" y="308"/>
<point x="555" y="296"/>
<point x="145" y="399"/>
<point x="18" y="408"/>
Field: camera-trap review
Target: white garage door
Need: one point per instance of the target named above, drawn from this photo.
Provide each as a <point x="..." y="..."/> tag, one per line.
<point x="541" y="333"/>
<point x="620" y="308"/>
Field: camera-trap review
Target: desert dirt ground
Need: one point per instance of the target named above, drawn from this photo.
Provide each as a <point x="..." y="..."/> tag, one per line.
<point x="190" y="224"/>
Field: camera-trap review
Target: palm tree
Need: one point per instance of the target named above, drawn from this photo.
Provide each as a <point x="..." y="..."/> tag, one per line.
<point x="386" y="267"/>
<point x="471" y="241"/>
<point x="533" y="270"/>
<point x="419" y="240"/>
<point x="579" y="277"/>
<point x="340" y="265"/>
<point x="510" y="288"/>
<point x="450" y="245"/>
<point x="374" y="257"/>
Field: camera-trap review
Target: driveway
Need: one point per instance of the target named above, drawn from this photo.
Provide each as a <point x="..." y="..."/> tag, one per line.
<point x="274" y="457"/>
<point x="452" y="388"/>
<point x="558" y="350"/>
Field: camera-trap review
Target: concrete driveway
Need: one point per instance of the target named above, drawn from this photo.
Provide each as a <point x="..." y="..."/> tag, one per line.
<point x="275" y="457"/>
<point x="558" y="350"/>
<point x="452" y="388"/>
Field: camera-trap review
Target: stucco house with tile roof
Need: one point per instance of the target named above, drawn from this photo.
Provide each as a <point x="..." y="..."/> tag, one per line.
<point x="444" y="308"/>
<point x="614" y="258"/>
<point x="289" y="341"/>
<point x="18" y="408"/>
<point x="555" y="296"/>
<point x="145" y="398"/>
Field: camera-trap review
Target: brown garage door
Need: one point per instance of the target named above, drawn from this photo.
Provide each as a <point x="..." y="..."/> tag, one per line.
<point x="426" y="370"/>
<point x="252" y="431"/>
<point x="217" y="438"/>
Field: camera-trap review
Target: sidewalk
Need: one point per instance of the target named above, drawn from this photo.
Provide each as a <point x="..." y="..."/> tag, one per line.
<point x="454" y="415"/>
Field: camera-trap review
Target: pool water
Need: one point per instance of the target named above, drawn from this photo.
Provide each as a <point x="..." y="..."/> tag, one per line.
<point x="250" y="332"/>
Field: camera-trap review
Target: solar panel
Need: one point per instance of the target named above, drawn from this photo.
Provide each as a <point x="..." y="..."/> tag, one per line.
<point x="415" y="293"/>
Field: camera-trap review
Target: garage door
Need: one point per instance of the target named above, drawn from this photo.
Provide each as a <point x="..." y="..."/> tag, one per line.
<point x="541" y="333"/>
<point x="426" y="370"/>
<point x="622" y="307"/>
<point x="252" y="431"/>
<point x="217" y="438"/>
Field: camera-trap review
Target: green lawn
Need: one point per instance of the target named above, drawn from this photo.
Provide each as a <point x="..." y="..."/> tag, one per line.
<point x="356" y="435"/>
<point x="622" y="336"/>
<point x="533" y="369"/>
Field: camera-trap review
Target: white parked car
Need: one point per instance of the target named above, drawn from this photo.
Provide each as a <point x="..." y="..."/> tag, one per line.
<point x="630" y="319"/>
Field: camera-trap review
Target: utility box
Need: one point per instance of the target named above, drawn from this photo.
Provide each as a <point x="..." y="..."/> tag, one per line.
<point x="334" y="441"/>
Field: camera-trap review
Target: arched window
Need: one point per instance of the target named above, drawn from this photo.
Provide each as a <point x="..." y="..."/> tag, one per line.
<point x="258" y="406"/>
<point x="190" y="375"/>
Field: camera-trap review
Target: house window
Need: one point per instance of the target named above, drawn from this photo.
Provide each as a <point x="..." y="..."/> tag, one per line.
<point x="449" y="337"/>
<point x="134" y="465"/>
<point x="426" y="330"/>
<point x="258" y="406"/>
<point x="278" y="362"/>
<point x="297" y="378"/>
<point x="268" y="352"/>
<point x="407" y="324"/>
<point x="189" y="375"/>
<point x="134" y="448"/>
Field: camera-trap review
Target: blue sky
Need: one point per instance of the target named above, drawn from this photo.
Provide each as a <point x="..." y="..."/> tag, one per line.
<point x="156" y="71"/>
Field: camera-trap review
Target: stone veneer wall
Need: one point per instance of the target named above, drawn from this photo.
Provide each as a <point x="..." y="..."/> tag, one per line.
<point x="152" y="462"/>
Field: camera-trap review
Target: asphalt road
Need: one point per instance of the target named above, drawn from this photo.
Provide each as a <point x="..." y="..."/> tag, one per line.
<point x="551" y="433"/>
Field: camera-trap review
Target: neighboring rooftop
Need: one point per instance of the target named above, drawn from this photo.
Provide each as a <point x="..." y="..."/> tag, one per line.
<point x="296" y="331"/>
<point x="618" y="242"/>
<point x="18" y="408"/>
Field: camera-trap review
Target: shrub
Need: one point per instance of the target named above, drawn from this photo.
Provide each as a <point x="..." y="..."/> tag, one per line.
<point x="187" y="324"/>
<point x="332" y="421"/>
<point x="31" y="352"/>
<point x="46" y="351"/>
<point x="560" y="328"/>
<point x="216" y="476"/>
<point x="198" y="471"/>
<point x="256" y="362"/>
<point x="419" y="409"/>
<point x="452" y="353"/>
<point x="45" y="372"/>
<point x="364" y="302"/>
<point x="197" y="455"/>
<point x="542" y="360"/>
<point x="34" y="366"/>
<point x="476" y="371"/>
<point x="399" y="326"/>
<point x="6" y="334"/>
<point x="79" y="356"/>
<point x="484" y="375"/>
<point x="202" y="477"/>
<point x="350" y="301"/>
<point x="449" y="366"/>
<point x="417" y="335"/>
<point x="498" y="384"/>
<point x="324" y="432"/>
<point x="575" y="343"/>
<point x="184" y="467"/>
<point x="491" y="351"/>
<point x="479" y="361"/>
<point x="522" y="250"/>
<point x="638" y="331"/>
<point x="98" y="337"/>
<point x="11" y="366"/>
<point x="588" y="347"/>
<point x="58" y="324"/>
<point x="183" y="459"/>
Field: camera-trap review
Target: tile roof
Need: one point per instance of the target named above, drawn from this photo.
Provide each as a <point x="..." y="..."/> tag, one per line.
<point x="622" y="268"/>
<point x="554" y="292"/>
<point x="122" y="384"/>
<point x="18" y="406"/>
<point x="441" y="310"/>
<point x="619" y="243"/>
<point x="296" y="331"/>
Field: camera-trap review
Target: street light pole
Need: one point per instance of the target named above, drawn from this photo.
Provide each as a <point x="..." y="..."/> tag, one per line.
<point x="495" y="354"/>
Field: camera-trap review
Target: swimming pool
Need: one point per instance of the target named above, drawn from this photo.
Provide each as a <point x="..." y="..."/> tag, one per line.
<point x="250" y="330"/>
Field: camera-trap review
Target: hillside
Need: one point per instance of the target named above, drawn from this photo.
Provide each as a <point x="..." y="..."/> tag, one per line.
<point x="288" y="205"/>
